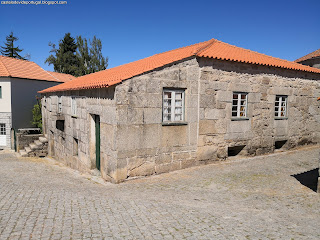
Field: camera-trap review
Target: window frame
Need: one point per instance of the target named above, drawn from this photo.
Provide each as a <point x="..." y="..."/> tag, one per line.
<point x="277" y="113"/>
<point x="172" y="113"/>
<point x="3" y="130"/>
<point x="238" y="105"/>
<point x="74" y="107"/>
<point x="0" y="92"/>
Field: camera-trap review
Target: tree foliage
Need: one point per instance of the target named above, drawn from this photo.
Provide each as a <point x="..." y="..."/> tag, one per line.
<point x="36" y="115"/>
<point x="98" y="62"/>
<point x="84" y="55"/>
<point x="10" y="50"/>
<point x="64" y="58"/>
<point x="77" y="57"/>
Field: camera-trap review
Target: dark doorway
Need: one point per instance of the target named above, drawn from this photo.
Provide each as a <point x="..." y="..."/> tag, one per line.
<point x="308" y="179"/>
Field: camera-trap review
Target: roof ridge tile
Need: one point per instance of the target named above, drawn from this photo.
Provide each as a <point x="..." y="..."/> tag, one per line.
<point x="210" y="42"/>
<point x="51" y="75"/>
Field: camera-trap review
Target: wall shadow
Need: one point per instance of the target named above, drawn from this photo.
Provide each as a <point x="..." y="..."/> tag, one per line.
<point x="308" y="179"/>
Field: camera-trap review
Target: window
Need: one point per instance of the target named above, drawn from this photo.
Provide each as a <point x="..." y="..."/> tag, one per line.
<point x="173" y="105"/>
<point x="280" y="107"/>
<point x="74" y="106"/>
<point x="239" y="105"/>
<point x="0" y="91"/>
<point x="60" y="125"/>
<point x="60" y="104"/>
<point x="2" y="129"/>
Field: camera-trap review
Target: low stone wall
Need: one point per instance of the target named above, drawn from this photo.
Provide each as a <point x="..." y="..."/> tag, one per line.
<point x="23" y="138"/>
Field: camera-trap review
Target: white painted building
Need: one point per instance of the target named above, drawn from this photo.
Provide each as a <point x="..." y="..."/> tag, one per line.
<point x="20" y="80"/>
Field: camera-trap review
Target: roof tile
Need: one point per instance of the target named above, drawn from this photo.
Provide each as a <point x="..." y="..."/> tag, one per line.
<point x="314" y="54"/>
<point x="17" y="68"/>
<point x="210" y="49"/>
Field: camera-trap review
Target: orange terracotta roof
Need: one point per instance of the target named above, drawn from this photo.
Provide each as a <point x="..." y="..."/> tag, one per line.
<point x="314" y="54"/>
<point x="62" y="76"/>
<point x="210" y="49"/>
<point x="17" y="68"/>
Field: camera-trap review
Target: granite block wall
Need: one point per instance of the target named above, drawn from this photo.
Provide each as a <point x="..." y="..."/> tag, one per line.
<point x="135" y="141"/>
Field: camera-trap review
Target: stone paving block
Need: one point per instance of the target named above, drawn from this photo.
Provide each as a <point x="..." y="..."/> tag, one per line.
<point x="232" y="200"/>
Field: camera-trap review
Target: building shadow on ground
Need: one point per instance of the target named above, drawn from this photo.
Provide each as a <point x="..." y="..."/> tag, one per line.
<point x="308" y="179"/>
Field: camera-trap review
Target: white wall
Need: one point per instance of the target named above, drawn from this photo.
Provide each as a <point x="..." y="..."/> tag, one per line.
<point x="5" y="101"/>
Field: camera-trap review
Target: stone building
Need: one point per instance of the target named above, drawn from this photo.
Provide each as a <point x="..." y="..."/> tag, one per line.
<point x="20" y="81"/>
<point x="311" y="59"/>
<point x="181" y="108"/>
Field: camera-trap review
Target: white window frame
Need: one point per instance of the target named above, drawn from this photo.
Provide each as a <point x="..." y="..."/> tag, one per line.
<point x="74" y="107"/>
<point x="173" y="105"/>
<point x="278" y="108"/>
<point x="238" y="105"/>
<point x="3" y="129"/>
<point x="60" y="104"/>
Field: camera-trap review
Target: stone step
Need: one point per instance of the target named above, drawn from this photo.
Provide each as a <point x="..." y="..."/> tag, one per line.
<point x="46" y="136"/>
<point x="43" y="139"/>
<point x="38" y="143"/>
<point x="23" y="153"/>
<point x="33" y="146"/>
<point x="28" y="150"/>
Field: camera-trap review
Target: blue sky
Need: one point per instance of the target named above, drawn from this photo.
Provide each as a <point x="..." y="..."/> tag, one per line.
<point x="134" y="29"/>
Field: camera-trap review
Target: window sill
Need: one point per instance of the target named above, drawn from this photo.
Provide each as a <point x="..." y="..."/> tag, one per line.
<point x="74" y="116"/>
<point x="174" y="123"/>
<point x="240" y="119"/>
<point x="281" y="118"/>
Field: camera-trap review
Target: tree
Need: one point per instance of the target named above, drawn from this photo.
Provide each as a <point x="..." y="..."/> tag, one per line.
<point x="77" y="58"/>
<point x="91" y="59"/>
<point x="98" y="62"/>
<point x="64" y="59"/>
<point x="83" y="55"/>
<point x="9" y="49"/>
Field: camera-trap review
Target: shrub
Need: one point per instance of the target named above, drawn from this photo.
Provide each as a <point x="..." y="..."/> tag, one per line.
<point x="36" y="115"/>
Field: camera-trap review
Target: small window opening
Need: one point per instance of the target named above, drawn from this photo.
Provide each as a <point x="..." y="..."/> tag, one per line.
<point x="234" y="151"/>
<point x="279" y="144"/>
<point x="75" y="147"/>
<point x="60" y="125"/>
<point x="60" y="104"/>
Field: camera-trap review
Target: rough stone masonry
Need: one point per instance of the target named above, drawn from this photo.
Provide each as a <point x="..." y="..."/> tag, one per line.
<point x="135" y="142"/>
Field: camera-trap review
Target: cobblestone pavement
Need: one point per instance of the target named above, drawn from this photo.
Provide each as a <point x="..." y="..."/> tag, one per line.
<point x="252" y="198"/>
